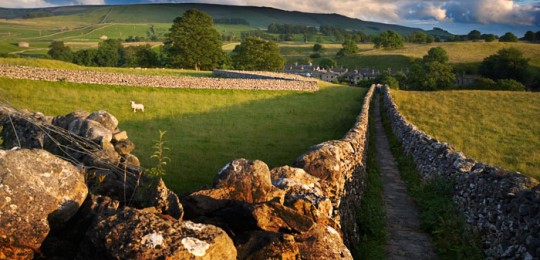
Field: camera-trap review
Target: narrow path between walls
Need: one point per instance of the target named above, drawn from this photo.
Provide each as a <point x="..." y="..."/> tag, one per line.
<point x="404" y="236"/>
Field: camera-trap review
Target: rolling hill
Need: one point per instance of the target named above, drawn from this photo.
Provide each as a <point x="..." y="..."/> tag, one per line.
<point x="259" y="17"/>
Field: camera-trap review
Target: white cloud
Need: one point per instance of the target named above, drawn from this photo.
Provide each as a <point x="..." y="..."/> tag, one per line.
<point x="505" y="12"/>
<point x="24" y="3"/>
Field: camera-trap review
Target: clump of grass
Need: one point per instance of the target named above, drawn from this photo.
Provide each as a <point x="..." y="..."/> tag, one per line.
<point x="496" y="127"/>
<point x="371" y="216"/>
<point x="439" y="214"/>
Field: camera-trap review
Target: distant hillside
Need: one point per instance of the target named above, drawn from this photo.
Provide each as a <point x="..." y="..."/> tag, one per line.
<point x="259" y="17"/>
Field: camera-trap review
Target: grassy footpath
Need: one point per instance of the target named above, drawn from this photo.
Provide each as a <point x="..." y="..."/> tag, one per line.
<point x="372" y="215"/>
<point x="496" y="127"/>
<point x="440" y="216"/>
<point x="205" y="128"/>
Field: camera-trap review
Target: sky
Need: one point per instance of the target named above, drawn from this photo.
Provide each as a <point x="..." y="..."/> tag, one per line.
<point x="456" y="16"/>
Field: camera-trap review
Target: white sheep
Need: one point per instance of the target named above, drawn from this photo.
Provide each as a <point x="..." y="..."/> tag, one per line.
<point x="136" y="106"/>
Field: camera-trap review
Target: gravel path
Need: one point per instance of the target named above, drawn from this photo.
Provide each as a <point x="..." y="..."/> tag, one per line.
<point x="405" y="239"/>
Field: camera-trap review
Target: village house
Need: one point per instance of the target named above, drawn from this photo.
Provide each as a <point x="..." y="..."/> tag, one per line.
<point x="23" y="45"/>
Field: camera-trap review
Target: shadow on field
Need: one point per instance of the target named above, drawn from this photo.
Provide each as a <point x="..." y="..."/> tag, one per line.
<point x="275" y="130"/>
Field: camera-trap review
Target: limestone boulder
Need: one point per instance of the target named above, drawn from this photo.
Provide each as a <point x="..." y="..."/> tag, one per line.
<point x="136" y="234"/>
<point x="65" y="121"/>
<point x="268" y="245"/>
<point x="166" y="201"/>
<point x="272" y="216"/>
<point x="124" y="147"/>
<point x="303" y="192"/>
<point x="322" y="242"/>
<point x="96" y="132"/>
<point x="105" y="119"/>
<point x="328" y="161"/>
<point x="37" y="191"/>
<point x="247" y="181"/>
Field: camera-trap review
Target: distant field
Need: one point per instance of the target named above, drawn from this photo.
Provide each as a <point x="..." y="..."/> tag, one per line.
<point x="498" y="128"/>
<point x="205" y="128"/>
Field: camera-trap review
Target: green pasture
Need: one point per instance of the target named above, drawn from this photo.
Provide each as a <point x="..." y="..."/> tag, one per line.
<point x="205" y="128"/>
<point x="495" y="127"/>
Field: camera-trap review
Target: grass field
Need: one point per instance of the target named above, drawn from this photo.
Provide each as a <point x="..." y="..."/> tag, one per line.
<point x="498" y="128"/>
<point x="205" y="128"/>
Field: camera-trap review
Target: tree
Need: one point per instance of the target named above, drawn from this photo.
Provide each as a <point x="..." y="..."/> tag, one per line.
<point x="529" y="36"/>
<point x="349" y="48"/>
<point x="327" y="63"/>
<point x="85" y="57"/>
<point x="140" y="56"/>
<point x="59" y="51"/>
<point x="193" y="42"/>
<point x="389" y="40"/>
<point x="474" y="35"/>
<point x="507" y="63"/>
<point x="433" y="72"/>
<point x="257" y="54"/>
<point x="317" y="47"/>
<point x="436" y="54"/>
<point x="508" y="37"/>
<point x="110" y="53"/>
<point x="418" y="37"/>
<point x="489" y="37"/>
<point x="509" y="84"/>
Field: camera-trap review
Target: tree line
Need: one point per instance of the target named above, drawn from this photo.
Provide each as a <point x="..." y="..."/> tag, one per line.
<point x="192" y="42"/>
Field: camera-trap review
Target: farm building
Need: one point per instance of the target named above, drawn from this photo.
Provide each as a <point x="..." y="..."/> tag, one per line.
<point x="23" y="44"/>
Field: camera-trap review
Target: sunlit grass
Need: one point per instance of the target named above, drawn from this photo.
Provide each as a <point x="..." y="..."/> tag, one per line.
<point x="205" y="128"/>
<point x="495" y="127"/>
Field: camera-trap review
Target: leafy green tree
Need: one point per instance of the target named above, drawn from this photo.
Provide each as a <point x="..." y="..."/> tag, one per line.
<point x="257" y="54"/>
<point x="349" y="47"/>
<point x="529" y="36"/>
<point x="433" y="72"/>
<point x="86" y="57"/>
<point x="507" y="63"/>
<point x="509" y="84"/>
<point x="141" y="56"/>
<point x="474" y="35"/>
<point x="418" y="37"/>
<point x="489" y="37"/>
<point x="430" y="38"/>
<point x="327" y="63"/>
<point x="193" y="42"/>
<point x="431" y="76"/>
<point x="110" y="53"/>
<point x="436" y="54"/>
<point x="317" y="47"/>
<point x="508" y="37"/>
<point x="59" y="51"/>
<point x="389" y="40"/>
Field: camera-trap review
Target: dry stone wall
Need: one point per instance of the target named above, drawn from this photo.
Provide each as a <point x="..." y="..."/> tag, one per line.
<point x="501" y="205"/>
<point x="244" y="81"/>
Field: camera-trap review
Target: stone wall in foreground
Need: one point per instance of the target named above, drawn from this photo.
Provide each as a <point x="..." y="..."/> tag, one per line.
<point x="501" y="205"/>
<point x="243" y="81"/>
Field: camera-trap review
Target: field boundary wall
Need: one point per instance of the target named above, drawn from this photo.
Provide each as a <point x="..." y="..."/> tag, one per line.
<point x="500" y="205"/>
